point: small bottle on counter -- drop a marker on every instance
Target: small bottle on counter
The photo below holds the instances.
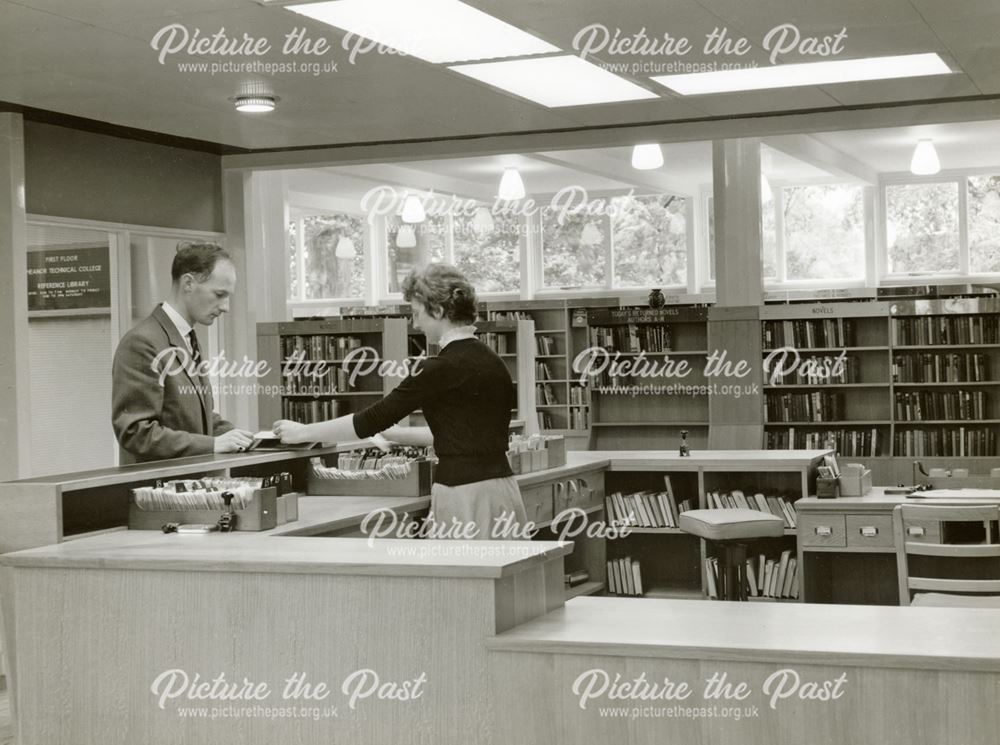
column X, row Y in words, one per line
column 685, row 449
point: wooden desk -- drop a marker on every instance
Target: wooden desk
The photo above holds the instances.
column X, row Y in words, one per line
column 847, row 550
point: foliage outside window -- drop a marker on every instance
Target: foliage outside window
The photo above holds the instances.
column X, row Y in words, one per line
column 824, row 231
column 922, row 227
column 574, row 250
column 332, row 260
column 487, row 251
column 649, row 239
column 984, row 224
column 430, row 238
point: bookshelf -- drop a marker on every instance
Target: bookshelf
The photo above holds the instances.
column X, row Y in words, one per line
column 320, row 370
column 660, row 354
column 674, row 563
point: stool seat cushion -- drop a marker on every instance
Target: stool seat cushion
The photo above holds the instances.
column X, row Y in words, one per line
column 731, row 525
column 944, row 600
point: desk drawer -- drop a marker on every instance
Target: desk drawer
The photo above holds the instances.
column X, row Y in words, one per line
column 578, row 491
column 869, row 530
column 821, row 529
column 538, row 502
column 923, row 531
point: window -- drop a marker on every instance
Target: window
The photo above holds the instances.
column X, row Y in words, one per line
column 768, row 234
column 331, row 262
column 487, row 249
column 984, row 224
column 824, row 231
column 922, row 227
column 412, row 246
column 649, row 239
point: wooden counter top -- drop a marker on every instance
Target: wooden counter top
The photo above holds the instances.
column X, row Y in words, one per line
column 319, row 515
column 878, row 501
column 254, row 552
column 796, row 633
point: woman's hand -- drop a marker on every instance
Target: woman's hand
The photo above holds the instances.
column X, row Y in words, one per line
column 381, row 443
column 290, row 432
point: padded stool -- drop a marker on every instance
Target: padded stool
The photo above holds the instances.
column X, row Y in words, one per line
column 730, row 530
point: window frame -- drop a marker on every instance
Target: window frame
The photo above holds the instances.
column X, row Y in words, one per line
column 298, row 211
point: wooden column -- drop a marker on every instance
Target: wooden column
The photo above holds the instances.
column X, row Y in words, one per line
column 15, row 459
column 736, row 416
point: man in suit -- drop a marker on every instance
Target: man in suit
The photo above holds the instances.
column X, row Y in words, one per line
column 161, row 402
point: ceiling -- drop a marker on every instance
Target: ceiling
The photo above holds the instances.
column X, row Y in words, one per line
column 94, row 59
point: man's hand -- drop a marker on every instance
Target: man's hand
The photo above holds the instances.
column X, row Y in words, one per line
column 233, row 441
column 290, row 432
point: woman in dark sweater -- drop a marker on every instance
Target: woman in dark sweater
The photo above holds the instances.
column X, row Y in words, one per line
column 466, row 395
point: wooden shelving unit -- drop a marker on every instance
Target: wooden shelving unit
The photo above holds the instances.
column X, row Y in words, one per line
column 639, row 412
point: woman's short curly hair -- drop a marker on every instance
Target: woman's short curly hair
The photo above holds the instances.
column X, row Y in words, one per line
column 443, row 291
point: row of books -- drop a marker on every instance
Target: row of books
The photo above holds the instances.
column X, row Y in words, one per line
column 646, row 509
column 946, row 330
column 306, row 412
column 781, row 506
column 579, row 418
column 632, row 338
column 499, row 343
column 545, row 420
column 318, row 346
column 333, row 380
column 809, row 333
column 853, row 443
column 960, row 442
column 940, row 367
column 577, row 395
column 508, row 315
column 769, row 578
column 916, row 406
column 816, row 370
column 624, row 577
column 545, row 395
column 816, row 406
column 545, row 345
column 543, row 371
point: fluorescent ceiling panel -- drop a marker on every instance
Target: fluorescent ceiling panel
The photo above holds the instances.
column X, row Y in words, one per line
column 808, row 73
column 556, row 81
column 432, row 30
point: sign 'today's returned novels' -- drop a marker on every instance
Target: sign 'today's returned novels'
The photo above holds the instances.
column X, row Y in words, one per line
column 69, row 278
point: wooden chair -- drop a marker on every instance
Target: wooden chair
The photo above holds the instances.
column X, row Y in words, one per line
column 919, row 530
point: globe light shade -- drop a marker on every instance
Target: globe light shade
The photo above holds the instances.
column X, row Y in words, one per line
column 406, row 238
column 482, row 221
column 590, row 234
column 345, row 248
column 647, row 157
column 511, row 185
column 413, row 210
column 925, row 159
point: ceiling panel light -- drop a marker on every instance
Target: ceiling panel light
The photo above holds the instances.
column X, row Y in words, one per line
column 565, row 80
column 808, row 73
column 925, row 159
column 254, row 104
column 432, row 30
column 647, row 157
column 511, row 185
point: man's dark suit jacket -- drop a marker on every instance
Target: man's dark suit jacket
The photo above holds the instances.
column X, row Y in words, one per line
column 153, row 421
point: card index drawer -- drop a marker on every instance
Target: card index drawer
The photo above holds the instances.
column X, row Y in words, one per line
column 869, row 530
column 538, row 503
column 821, row 529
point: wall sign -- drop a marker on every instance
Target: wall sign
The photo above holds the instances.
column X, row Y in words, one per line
column 69, row 278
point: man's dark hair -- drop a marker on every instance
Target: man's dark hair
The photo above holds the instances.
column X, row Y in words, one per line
column 198, row 258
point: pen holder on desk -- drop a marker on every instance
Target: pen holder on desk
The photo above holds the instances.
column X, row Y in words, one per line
column 261, row 513
column 827, row 488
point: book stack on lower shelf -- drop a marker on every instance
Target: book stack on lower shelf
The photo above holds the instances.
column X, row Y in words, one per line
column 624, row 577
column 736, row 499
column 767, row 578
column 646, row 509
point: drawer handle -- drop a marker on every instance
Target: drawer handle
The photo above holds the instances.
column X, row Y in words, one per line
column 823, row 530
column 915, row 530
column 868, row 531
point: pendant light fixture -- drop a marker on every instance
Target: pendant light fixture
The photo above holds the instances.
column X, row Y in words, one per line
column 590, row 234
column 647, row 157
column 345, row 248
column 413, row 210
column 925, row 159
column 406, row 237
column 511, row 185
column 482, row 221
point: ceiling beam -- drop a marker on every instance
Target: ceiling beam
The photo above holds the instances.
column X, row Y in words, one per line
column 835, row 162
column 595, row 163
column 423, row 180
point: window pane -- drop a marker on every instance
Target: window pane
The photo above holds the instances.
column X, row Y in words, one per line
column 487, row 249
column 922, row 227
column 429, row 238
column 649, row 235
column 824, row 232
column 293, row 260
column 984, row 223
column 334, row 256
column 574, row 252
